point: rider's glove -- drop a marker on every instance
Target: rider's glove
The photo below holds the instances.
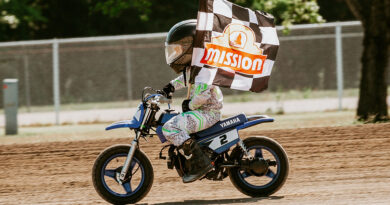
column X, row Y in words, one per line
column 167, row 91
column 185, row 106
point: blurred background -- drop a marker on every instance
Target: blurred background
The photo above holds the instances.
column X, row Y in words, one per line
column 109, row 50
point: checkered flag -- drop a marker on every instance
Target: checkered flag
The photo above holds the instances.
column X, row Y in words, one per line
column 234, row 47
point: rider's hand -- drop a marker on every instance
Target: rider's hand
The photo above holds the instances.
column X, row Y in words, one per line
column 167, row 91
column 185, row 106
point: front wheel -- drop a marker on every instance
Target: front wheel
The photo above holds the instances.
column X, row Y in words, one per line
column 107, row 167
column 252, row 182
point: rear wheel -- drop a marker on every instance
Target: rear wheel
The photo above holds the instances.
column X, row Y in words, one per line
column 107, row 167
column 252, row 182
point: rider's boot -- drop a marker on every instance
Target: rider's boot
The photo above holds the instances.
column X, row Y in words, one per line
column 198, row 162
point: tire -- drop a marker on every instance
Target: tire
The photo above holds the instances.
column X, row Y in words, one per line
column 102, row 177
column 238, row 176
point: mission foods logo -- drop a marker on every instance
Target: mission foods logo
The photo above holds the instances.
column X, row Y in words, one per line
column 235, row 49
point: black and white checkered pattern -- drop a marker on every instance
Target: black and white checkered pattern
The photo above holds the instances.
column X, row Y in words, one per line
column 213, row 17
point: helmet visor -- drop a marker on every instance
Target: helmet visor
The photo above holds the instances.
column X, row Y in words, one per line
column 172, row 52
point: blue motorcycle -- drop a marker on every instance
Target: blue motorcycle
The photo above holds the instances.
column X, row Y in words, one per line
column 256, row 166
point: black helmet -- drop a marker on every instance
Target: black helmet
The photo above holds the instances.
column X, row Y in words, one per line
column 179, row 45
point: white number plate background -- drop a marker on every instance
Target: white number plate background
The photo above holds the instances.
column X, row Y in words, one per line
column 224, row 139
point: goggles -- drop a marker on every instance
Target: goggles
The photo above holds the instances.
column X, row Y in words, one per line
column 172, row 52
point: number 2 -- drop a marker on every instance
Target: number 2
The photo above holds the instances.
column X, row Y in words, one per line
column 223, row 139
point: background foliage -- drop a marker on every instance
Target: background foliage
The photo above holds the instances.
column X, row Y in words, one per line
column 43, row 19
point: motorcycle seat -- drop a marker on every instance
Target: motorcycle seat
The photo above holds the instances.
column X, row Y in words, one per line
column 223, row 125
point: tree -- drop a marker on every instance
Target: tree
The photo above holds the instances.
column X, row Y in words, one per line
column 6, row 18
column 41, row 19
column 287, row 12
column 335, row 10
column 375, row 18
column 18, row 19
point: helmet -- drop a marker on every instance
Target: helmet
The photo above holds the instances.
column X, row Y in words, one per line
column 179, row 45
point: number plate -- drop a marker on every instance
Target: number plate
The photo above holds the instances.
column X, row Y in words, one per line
column 137, row 115
column 224, row 139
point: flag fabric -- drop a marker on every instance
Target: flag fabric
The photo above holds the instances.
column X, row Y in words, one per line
column 234, row 47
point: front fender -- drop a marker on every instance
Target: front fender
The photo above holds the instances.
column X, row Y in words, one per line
column 133, row 123
column 124, row 123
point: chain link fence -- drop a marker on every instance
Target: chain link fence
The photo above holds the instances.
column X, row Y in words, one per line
column 107, row 69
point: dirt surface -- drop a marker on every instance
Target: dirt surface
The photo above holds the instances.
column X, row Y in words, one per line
column 329, row 165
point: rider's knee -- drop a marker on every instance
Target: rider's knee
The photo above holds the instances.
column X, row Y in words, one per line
column 167, row 131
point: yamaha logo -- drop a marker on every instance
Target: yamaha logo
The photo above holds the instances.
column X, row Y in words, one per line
column 227, row 123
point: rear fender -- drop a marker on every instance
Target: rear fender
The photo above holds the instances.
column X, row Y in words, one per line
column 254, row 120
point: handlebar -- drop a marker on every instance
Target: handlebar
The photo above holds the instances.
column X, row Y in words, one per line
column 158, row 98
column 155, row 99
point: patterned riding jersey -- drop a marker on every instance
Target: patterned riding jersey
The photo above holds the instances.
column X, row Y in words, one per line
column 205, row 105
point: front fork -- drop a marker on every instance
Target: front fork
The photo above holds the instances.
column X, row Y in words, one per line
column 129, row 158
column 134, row 145
column 126, row 166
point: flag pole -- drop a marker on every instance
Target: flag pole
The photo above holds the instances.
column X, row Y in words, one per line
column 188, row 83
column 189, row 91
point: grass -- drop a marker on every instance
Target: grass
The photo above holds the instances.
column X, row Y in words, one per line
column 96, row 131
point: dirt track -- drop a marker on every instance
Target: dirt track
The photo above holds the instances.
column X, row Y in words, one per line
column 335, row 165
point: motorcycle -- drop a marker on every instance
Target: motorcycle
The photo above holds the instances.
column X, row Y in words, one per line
column 257, row 166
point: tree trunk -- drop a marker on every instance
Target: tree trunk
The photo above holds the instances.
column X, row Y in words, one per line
column 373, row 85
column 372, row 105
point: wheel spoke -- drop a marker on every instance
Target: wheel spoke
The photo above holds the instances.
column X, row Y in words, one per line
column 245, row 174
column 259, row 153
column 272, row 163
column 110, row 173
column 270, row 174
column 127, row 187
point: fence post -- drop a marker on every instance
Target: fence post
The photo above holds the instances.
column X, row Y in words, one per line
column 339, row 64
column 56, row 81
column 128, row 72
column 10, row 95
column 27, row 82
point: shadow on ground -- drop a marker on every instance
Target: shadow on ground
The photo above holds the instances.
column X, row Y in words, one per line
column 222, row 201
